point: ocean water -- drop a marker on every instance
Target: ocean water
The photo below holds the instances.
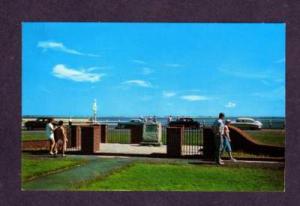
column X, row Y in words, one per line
column 268, row 122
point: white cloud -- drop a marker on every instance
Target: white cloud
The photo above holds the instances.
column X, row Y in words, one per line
column 137, row 61
column 173, row 65
column 168, row 94
column 63, row 72
column 58, row 46
column 137, row 82
column 230, row 105
column 194, row 97
column 147, row 71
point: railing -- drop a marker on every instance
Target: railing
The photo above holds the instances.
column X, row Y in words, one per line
column 164, row 135
column 192, row 142
column 121, row 136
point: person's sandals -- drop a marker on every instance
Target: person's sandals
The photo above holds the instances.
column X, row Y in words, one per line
column 220, row 162
column 234, row 160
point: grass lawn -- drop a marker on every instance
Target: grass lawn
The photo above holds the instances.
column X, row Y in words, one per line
column 272, row 137
column 37, row 166
column 187, row 177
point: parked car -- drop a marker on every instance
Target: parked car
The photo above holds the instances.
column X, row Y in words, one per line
column 39, row 123
column 247, row 123
column 185, row 122
column 127, row 125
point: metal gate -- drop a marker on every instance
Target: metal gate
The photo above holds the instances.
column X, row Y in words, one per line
column 192, row 142
column 121, row 136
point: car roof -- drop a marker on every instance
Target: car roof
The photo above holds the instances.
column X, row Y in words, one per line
column 244, row 118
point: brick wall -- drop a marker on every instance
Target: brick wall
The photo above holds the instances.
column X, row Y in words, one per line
column 174, row 140
column 136, row 134
column 90, row 139
column 241, row 140
column 35, row 145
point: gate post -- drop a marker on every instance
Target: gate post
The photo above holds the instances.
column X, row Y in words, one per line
column 136, row 135
column 103, row 133
column 90, row 139
column 78, row 137
column 74, row 138
column 174, row 140
column 208, row 144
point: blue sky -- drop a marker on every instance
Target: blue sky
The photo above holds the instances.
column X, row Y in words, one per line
column 136, row 69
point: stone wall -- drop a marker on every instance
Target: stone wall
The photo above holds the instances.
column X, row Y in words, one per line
column 241, row 140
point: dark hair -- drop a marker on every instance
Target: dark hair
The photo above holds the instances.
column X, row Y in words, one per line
column 50, row 119
column 60, row 123
column 221, row 115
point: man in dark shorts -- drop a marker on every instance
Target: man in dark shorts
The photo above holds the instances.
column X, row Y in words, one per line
column 218, row 128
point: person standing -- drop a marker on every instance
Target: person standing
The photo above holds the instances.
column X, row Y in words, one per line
column 50, row 135
column 227, row 140
column 218, row 128
column 169, row 119
column 60, row 138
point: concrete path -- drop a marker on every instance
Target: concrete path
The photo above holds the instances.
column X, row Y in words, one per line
column 131, row 148
column 115, row 148
column 95, row 168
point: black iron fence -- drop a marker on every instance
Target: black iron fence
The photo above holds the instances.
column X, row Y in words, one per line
column 192, row 142
column 121, row 136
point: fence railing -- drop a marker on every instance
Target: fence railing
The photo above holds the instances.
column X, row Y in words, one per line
column 192, row 141
column 121, row 136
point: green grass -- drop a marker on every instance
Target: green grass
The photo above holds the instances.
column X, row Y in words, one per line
column 33, row 167
column 33, row 135
column 175, row 177
column 271, row 137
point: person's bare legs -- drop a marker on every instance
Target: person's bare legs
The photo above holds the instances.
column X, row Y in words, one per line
column 52, row 145
column 63, row 148
column 231, row 157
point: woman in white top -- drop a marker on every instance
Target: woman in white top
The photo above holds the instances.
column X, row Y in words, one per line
column 50, row 135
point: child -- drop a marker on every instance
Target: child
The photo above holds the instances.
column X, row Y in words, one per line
column 60, row 138
column 226, row 140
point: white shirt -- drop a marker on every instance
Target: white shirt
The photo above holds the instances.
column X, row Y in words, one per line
column 49, row 131
column 219, row 126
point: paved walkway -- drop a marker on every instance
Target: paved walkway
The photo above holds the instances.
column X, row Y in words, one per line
column 132, row 148
column 115, row 148
column 95, row 168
